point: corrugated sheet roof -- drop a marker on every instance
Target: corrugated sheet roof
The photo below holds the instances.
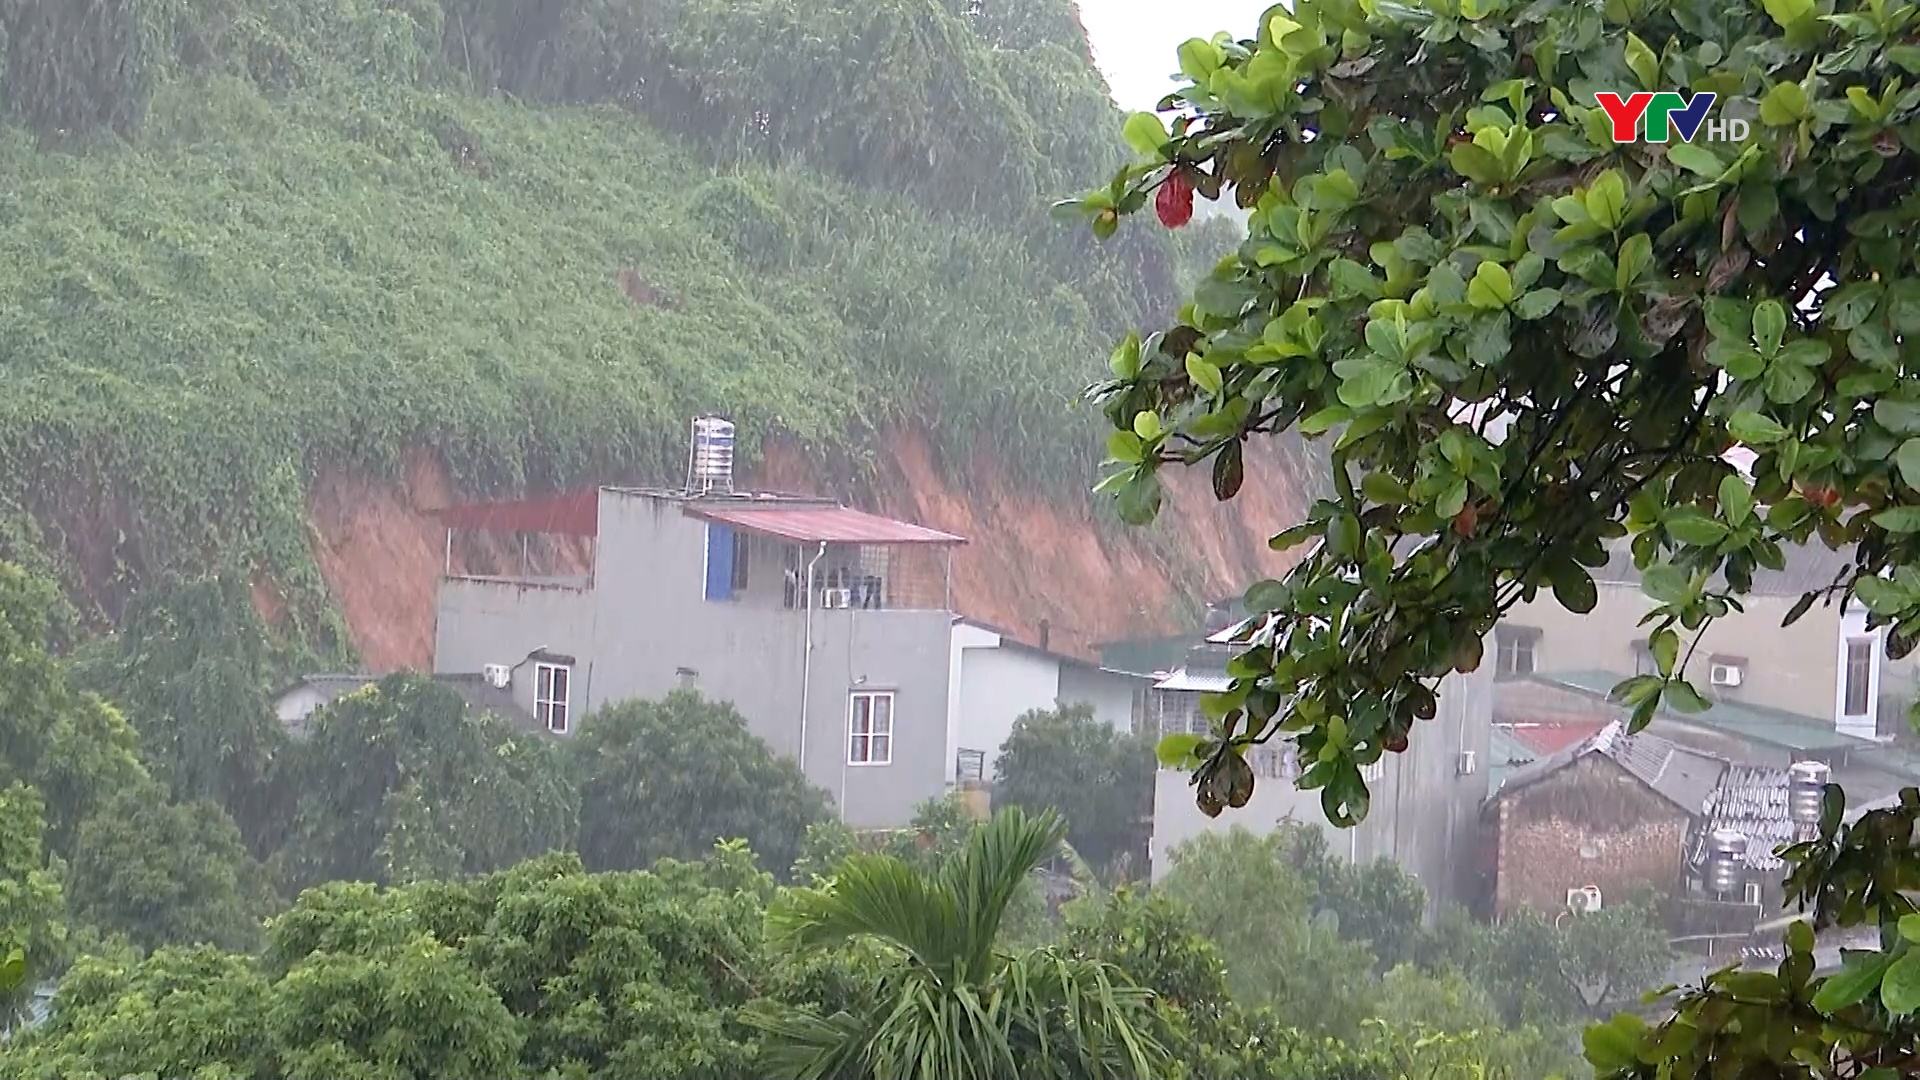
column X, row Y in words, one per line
column 821, row 524
column 1205, row 682
column 1681, row 776
column 1751, row 799
column 1775, row 727
column 1553, row 736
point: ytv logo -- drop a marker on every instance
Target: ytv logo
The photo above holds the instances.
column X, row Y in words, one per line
column 1668, row 110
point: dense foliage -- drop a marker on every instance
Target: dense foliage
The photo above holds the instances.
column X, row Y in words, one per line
column 827, row 219
column 1100, row 779
column 402, row 781
column 669, row 779
column 951, row 1003
column 162, row 873
column 1530, row 341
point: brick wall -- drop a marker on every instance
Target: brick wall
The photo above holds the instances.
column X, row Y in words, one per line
column 1589, row 824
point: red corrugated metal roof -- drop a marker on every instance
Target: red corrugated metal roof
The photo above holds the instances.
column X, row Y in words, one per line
column 1551, row 737
column 822, row 524
column 573, row 514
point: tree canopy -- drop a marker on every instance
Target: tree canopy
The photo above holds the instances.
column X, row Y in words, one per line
column 1100, row 779
column 1528, row 340
column 668, row 778
column 401, row 781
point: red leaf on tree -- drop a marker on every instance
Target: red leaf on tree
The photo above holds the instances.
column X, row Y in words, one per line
column 1174, row 202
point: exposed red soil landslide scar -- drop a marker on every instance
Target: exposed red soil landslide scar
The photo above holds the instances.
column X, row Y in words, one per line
column 1029, row 559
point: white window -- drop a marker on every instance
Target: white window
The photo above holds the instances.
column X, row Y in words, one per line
column 551, row 686
column 1859, row 677
column 1514, row 648
column 870, row 729
column 1375, row 772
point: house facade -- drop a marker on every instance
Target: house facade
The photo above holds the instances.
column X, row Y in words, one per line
column 829, row 628
column 1424, row 812
column 997, row 679
column 1618, row 815
column 1610, row 817
column 1827, row 666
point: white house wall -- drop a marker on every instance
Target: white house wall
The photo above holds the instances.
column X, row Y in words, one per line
column 1110, row 693
column 1425, row 808
column 997, row 686
column 967, row 638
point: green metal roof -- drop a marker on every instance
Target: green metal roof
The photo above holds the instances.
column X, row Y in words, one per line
column 1505, row 753
column 1775, row 727
column 1146, row 656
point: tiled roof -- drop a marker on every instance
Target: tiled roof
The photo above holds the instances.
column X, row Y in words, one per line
column 1682, row 776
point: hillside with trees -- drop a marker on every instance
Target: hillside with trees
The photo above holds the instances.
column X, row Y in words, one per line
column 251, row 245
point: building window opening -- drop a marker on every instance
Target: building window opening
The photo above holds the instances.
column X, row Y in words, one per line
column 551, row 691
column 870, row 730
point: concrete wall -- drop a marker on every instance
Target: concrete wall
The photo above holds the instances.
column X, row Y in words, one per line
column 1792, row 668
column 997, row 686
column 1424, row 815
column 1589, row 824
column 1112, row 695
column 647, row 616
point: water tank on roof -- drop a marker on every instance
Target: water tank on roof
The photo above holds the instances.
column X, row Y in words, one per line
column 1726, row 861
column 710, row 459
column 1806, row 785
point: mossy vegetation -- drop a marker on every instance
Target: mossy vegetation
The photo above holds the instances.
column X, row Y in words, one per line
column 244, row 240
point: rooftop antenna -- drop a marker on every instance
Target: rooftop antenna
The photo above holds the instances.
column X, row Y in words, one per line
column 710, row 457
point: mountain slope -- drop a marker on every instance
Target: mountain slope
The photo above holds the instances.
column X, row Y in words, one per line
column 305, row 244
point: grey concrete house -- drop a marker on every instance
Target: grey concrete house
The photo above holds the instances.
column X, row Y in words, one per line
column 1425, row 809
column 828, row 628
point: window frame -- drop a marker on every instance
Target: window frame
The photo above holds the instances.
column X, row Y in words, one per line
column 1865, row 647
column 742, row 562
column 1519, row 641
column 546, row 703
column 865, row 739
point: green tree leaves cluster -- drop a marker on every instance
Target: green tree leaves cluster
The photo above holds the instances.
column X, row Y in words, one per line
column 1528, row 342
column 668, row 779
column 1525, row 341
column 949, row 1002
column 402, row 782
column 163, row 872
column 1098, row 778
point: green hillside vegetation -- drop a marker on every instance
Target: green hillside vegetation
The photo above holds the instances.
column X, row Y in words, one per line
column 244, row 239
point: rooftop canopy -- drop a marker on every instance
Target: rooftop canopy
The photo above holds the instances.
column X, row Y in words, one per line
column 820, row 524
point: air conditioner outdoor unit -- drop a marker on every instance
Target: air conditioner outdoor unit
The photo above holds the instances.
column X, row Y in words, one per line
column 1466, row 763
column 836, row 598
column 1724, row 675
column 497, row 675
column 1584, row 900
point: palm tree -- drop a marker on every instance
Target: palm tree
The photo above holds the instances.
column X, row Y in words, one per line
column 950, row 1005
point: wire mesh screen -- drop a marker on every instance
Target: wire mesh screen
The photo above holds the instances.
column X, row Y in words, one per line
column 870, row 576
